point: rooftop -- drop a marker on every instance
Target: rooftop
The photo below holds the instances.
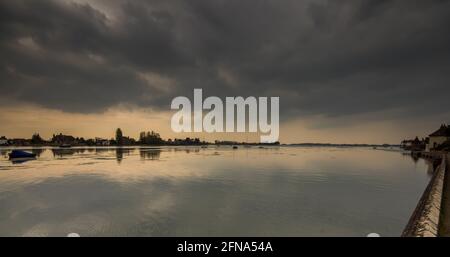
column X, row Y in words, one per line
column 443, row 131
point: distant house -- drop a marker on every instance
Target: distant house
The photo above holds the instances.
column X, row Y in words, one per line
column 101, row 141
column 128, row 141
column 414, row 145
column 19, row 142
column 406, row 144
column 63, row 139
column 3, row 141
column 438, row 137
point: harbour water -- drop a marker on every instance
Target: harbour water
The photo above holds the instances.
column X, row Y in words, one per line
column 214, row 191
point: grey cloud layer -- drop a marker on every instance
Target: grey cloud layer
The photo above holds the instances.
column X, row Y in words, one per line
column 322, row 57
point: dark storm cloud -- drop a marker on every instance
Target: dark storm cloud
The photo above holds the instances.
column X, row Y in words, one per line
column 321, row 57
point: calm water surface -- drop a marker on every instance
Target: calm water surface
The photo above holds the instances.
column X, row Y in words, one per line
column 284, row 191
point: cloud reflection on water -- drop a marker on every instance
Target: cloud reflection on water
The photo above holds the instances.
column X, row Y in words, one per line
column 215, row 191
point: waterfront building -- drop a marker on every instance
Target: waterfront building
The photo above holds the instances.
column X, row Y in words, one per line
column 406, row 144
column 101, row 142
column 63, row 139
column 414, row 145
column 19, row 142
column 438, row 137
column 3, row 140
column 128, row 141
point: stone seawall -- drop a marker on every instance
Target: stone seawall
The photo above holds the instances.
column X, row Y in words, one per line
column 444, row 223
column 424, row 221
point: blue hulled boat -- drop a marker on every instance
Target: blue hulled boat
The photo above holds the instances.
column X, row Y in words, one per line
column 21, row 154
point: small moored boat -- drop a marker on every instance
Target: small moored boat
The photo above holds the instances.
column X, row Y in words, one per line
column 21, row 154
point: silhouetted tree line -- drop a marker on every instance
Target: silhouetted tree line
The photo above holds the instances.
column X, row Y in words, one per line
column 145, row 138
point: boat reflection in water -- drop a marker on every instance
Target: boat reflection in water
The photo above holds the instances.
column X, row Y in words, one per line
column 21, row 160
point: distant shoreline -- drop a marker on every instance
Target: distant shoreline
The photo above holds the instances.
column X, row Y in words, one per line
column 199, row 145
column 348, row 145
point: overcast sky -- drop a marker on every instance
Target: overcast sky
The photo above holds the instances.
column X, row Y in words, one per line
column 345, row 71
